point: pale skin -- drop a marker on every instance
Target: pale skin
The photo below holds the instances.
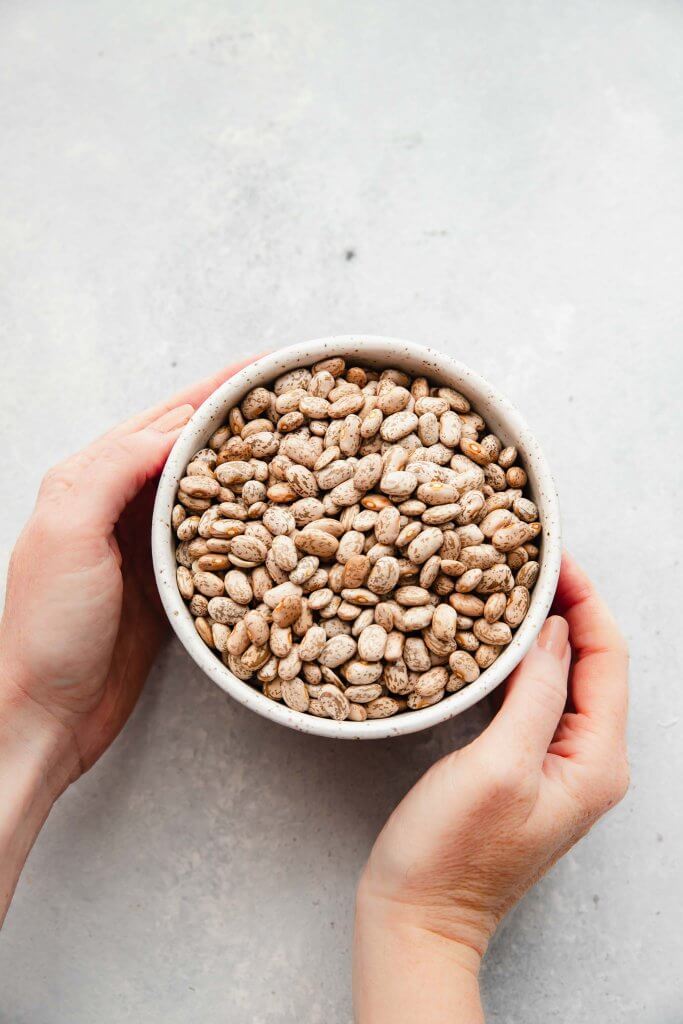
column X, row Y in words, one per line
column 488, row 821
column 82, row 624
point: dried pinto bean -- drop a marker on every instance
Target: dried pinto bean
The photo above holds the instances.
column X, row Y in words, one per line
column 356, row 543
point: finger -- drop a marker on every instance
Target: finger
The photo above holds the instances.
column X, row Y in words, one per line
column 536, row 695
column 94, row 488
column 600, row 673
column 194, row 395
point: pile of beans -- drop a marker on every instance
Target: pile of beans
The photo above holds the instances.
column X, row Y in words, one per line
column 356, row 543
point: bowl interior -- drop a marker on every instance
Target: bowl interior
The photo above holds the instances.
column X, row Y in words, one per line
column 379, row 353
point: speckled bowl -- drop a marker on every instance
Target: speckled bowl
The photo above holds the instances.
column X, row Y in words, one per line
column 501, row 417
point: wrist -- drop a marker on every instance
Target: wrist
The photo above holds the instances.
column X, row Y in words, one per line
column 36, row 765
column 452, row 912
column 462, row 947
column 40, row 748
column 406, row 972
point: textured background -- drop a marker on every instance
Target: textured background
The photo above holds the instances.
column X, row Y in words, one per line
column 187, row 182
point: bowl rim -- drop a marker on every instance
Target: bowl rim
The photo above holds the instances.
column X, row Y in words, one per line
column 365, row 348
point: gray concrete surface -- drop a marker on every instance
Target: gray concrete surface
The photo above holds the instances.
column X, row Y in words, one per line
column 184, row 182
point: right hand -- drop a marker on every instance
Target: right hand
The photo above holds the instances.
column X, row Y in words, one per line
column 488, row 820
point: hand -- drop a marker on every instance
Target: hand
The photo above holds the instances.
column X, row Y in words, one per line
column 82, row 620
column 488, row 820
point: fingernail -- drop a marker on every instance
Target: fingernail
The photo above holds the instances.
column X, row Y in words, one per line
column 172, row 419
column 554, row 635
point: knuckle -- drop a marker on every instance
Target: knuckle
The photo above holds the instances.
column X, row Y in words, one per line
column 57, row 478
column 621, row 781
column 113, row 451
column 607, row 788
column 43, row 531
column 504, row 780
column 60, row 478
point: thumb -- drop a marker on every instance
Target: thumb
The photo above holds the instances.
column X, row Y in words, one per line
column 110, row 473
column 536, row 694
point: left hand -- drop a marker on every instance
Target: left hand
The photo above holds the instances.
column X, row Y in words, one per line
column 82, row 620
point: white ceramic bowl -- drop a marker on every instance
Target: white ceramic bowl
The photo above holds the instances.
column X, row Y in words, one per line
column 501, row 417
